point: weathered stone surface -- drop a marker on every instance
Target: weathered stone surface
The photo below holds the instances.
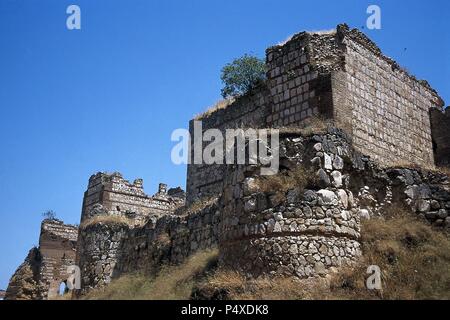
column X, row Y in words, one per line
column 328, row 197
column 323, row 179
column 364, row 214
column 327, row 162
column 45, row 267
column 337, row 179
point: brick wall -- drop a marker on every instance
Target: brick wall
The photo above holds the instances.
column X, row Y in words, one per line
column 340, row 75
column 120, row 197
column 389, row 108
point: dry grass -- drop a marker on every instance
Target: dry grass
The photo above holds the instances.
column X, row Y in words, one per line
column 313, row 125
column 199, row 205
column 115, row 220
column 163, row 238
column 280, row 183
column 414, row 259
column 444, row 170
column 230, row 285
column 172, row 282
column 221, row 104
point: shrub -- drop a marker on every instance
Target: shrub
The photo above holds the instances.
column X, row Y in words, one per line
column 279, row 184
column 241, row 75
column 171, row 283
column 49, row 214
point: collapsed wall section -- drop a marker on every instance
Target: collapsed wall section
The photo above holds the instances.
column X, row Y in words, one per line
column 46, row 267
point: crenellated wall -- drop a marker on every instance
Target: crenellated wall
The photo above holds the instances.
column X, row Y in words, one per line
column 119, row 197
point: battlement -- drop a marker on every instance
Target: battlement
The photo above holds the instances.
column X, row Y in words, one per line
column 113, row 195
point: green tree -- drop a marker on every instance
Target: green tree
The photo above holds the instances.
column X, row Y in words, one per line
column 49, row 214
column 241, row 75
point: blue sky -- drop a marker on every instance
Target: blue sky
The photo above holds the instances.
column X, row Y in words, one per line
column 108, row 96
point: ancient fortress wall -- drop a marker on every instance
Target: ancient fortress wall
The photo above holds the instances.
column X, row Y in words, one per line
column 390, row 109
column 379, row 115
column 313, row 227
column 340, row 75
column 110, row 249
column 121, row 198
column 156, row 230
column 57, row 245
column 303, row 231
column 45, row 268
column 169, row 240
column 440, row 126
column 247, row 112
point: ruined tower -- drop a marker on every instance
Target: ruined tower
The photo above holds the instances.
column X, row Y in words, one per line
column 342, row 76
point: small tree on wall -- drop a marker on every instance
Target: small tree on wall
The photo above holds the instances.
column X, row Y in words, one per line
column 49, row 214
column 241, row 75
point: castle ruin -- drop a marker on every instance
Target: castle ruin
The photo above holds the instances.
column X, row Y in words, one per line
column 383, row 126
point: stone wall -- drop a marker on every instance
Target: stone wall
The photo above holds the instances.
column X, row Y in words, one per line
column 440, row 124
column 121, row 207
column 303, row 231
column 390, row 108
column 343, row 76
column 98, row 253
column 246, row 112
column 45, row 268
column 119, row 197
column 109, row 249
column 314, row 227
column 169, row 240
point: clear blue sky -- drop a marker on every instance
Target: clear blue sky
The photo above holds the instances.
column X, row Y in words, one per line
column 107, row 97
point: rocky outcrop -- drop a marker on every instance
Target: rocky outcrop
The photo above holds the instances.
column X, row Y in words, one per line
column 25, row 283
